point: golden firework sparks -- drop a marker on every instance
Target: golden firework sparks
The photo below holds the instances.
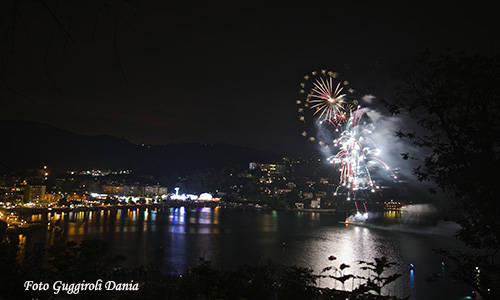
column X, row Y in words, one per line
column 326, row 100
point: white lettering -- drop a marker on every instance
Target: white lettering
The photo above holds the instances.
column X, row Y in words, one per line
column 110, row 285
column 57, row 287
column 35, row 286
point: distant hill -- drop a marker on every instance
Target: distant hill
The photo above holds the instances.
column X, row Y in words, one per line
column 30, row 144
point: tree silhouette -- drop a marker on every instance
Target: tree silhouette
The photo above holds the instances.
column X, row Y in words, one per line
column 374, row 282
column 455, row 101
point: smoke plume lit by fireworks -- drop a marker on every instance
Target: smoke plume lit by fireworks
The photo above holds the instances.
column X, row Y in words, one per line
column 358, row 155
column 355, row 138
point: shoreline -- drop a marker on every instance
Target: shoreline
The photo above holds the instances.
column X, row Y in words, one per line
column 39, row 210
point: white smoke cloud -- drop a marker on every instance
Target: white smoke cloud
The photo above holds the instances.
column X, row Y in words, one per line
column 392, row 146
column 368, row 98
column 391, row 149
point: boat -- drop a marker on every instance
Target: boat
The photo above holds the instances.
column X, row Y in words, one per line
column 18, row 225
column 357, row 219
column 13, row 220
column 23, row 228
column 354, row 223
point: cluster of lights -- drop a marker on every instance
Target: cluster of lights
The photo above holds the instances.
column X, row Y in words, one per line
column 98, row 173
column 184, row 197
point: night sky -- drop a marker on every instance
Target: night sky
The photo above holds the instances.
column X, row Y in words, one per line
column 153, row 72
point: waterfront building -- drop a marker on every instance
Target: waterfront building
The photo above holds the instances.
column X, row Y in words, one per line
column 51, row 198
column 34, row 193
column 316, row 203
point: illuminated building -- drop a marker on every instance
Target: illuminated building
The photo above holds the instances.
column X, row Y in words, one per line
column 126, row 190
column 155, row 190
column 34, row 193
column 112, row 189
column 307, row 195
column 52, row 197
column 393, row 205
column 316, row 203
column 269, row 168
column 75, row 197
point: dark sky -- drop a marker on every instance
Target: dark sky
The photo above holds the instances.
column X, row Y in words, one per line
column 154, row 72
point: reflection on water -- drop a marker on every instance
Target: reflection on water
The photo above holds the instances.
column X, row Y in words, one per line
column 392, row 214
column 413, row 290
column 21, row 247
column 175, row 238
column 36, row 218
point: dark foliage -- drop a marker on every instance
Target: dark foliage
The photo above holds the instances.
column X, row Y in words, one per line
column 370, row 284
column 455, row 100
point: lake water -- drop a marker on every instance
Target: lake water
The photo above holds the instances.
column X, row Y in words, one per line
column 176, row 238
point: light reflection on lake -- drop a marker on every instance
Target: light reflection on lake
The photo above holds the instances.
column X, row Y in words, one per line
column 175, row 238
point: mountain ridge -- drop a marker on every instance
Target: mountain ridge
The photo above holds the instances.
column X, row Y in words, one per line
column 28, row 144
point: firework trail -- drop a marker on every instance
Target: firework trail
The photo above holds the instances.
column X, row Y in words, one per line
column 358, row 155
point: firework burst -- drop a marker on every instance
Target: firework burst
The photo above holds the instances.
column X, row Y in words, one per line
column 333, row 119
column 328, row 99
